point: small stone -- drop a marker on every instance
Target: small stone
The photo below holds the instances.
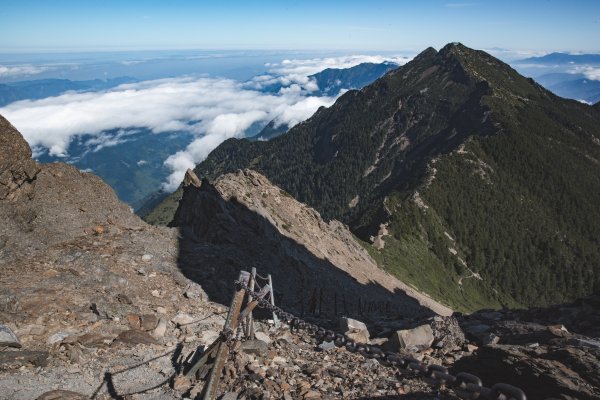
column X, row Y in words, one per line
column 147, row 257
column 8, row 337
column 57, row 337
column 93, row 340
column 161, row 328
column 161, row 310
column 149, row 322
column 262, row 336
column 471, row 348
column 327, row 346
column 134, row 321
column 279, row 360
column 182, row 319
column 155, row 293
column 136, row 336
column 256, row 347
column 37, row 330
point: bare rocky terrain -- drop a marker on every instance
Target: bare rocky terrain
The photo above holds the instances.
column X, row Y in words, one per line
column 94, row 303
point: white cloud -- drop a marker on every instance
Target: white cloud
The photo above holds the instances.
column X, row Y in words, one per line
column 210, row 108
column 221, row 108
column 297, row 71
column 16, row 70
column 105, row 139
column 592, row 73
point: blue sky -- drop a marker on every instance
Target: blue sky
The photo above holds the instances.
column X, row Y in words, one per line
column 375, row 25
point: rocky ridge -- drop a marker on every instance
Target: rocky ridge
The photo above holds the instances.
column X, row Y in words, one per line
column 245, row 212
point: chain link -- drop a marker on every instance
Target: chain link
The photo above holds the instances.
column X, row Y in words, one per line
column 465, row 385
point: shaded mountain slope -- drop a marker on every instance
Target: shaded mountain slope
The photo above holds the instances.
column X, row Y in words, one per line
column 481, row 184
column 243, row 220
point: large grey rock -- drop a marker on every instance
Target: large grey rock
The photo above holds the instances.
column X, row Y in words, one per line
column 415, row 339
column 8, row 337
column 447, row 334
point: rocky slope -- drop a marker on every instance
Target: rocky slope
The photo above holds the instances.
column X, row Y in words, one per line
column 97, row 304
column 93, row 300
column 486, row 184
column 243, row 220
column 86, row 286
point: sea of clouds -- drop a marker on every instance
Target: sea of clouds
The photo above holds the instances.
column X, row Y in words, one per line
column 213, row 109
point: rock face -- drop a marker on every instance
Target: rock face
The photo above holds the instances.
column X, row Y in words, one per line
column 41, row 205
column 16, row 165
column 70, row 286
column 548, row 352
column 243, row 220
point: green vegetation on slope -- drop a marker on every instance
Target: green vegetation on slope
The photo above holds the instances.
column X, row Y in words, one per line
column 478, row 171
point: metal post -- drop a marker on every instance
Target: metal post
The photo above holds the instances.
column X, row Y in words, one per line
column 230, row 323
column 275, row 318
column 249, row 319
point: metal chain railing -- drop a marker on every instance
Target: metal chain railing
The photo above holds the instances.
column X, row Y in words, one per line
column 465, row 385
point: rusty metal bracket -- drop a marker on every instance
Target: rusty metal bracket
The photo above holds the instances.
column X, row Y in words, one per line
column 217, row 352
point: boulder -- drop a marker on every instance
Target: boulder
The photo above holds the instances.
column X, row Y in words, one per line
column 447, row 334
column 415, row 339
column 354, row 330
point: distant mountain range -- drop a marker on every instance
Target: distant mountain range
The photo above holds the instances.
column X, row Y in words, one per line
column 137, row 175
column 462, row 177
column 331, row 81
column 572, row 86
column 562, row 58
column 40, row 89
column 567, row 75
